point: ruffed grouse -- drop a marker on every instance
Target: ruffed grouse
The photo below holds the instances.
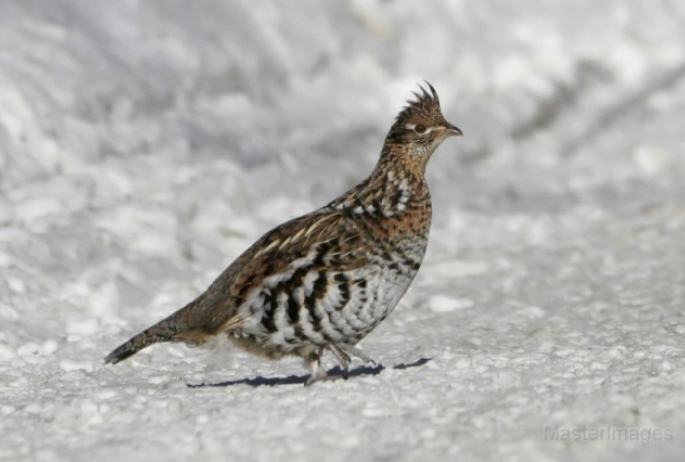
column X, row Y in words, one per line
column 323, row 281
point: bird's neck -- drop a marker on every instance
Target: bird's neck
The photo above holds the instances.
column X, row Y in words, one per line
column 396, row 186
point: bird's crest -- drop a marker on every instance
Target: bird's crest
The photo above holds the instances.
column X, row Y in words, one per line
column 426, row 106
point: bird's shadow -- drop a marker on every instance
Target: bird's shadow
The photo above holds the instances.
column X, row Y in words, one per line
column 335, row 374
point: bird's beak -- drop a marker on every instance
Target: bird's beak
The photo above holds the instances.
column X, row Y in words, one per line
column 452, row 130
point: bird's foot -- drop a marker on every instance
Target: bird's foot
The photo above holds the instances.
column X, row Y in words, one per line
column 343, row 353
column 343, row 359
column 358, row 353
column 319, row 375
column 318, row 371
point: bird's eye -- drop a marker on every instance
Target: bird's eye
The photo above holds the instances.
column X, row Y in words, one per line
column 419, row 128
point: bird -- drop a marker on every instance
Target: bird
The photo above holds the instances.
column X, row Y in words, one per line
column 323, row 281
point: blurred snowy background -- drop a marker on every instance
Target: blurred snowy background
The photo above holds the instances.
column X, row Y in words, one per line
column 145, row 144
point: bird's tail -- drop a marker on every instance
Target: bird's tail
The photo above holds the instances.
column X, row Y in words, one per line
column 164, row 331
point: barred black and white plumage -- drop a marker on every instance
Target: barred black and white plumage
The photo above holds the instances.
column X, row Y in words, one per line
column 323, row 281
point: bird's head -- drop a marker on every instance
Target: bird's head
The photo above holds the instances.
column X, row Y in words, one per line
column 420, row 127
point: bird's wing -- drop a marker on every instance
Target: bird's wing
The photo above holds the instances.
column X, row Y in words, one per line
column 326, row 240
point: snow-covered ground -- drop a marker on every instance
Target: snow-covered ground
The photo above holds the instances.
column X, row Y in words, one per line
column 145, row 144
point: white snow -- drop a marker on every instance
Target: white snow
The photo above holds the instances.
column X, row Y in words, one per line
column 145, row 144
column 442, row 304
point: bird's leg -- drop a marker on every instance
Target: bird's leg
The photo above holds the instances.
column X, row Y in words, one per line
column 313, row 362
column 351, row 350
column 342, row 357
